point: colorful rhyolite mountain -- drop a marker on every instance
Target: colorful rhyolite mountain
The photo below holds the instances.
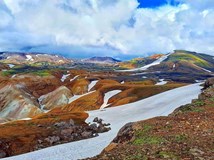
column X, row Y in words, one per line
column 45, row 90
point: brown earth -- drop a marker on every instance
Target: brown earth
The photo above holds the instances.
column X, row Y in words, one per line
column 24, row 136
column 129, row 93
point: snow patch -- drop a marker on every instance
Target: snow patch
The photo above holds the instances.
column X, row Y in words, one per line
column 74, row 78
column 173, row 66
column 75, row 97
column 13, row 76
column 40, row 99
column 107, row 96
column 92, row 84
column 64, row 77
column 158, row 61
column 206, row 70
column 199, row 81
column 11, row 65
column 29, row 58
column 162, row 82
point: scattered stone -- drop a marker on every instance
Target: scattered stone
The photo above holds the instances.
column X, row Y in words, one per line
column 99, row 121
column 95, row 119
column 93, row 126
column 2, row 154
column 40, row 141
column 67, row 132
column 86, row 134
column 102, row 128
column 52, row 139
column 106, row 124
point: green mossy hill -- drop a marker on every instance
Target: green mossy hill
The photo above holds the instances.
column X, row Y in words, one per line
column 201, row 60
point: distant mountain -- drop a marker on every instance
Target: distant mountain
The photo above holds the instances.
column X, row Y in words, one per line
column 18, row 58
column 139, row 62
column 178, row 61
column 101, row 60
column 185, row 61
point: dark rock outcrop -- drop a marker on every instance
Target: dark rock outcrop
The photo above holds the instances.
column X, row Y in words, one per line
column 208, row 83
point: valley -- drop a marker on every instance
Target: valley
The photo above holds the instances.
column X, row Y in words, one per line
column 47, row 100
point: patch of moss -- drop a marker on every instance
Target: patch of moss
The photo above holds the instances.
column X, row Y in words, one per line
column 198, row 103
column 167, row 155
column 151, row 140
column 143, row 137
column 42, row 73
column 191, row 108
column 180, row 138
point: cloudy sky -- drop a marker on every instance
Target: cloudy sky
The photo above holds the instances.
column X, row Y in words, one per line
column 117, row 28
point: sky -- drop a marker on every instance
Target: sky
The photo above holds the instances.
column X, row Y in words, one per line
column 116, row 28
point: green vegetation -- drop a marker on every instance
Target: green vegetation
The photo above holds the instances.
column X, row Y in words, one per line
column 198, row 103
column 42, row 73
column 24, row 70
column 180, row 138
column 188, row 57
column 167, row 155
column 133, row 61
column 143, row 137
column 192, row 108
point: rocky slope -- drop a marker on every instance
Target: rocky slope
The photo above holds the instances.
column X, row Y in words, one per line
column 16, row 103
column 57, row 98
column 186, row 134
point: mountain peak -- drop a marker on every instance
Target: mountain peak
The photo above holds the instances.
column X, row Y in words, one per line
column 97, row 59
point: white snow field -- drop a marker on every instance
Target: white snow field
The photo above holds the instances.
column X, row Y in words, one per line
column 92, row 84
column 159, row 105
column 107, row 96
column 158, row 61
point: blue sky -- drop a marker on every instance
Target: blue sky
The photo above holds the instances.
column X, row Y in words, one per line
column 155, row 3
column 117, row 28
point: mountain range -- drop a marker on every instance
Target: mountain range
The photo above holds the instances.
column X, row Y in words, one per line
column 49, row 98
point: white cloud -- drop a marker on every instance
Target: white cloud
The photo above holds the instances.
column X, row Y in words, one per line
column 107, row 27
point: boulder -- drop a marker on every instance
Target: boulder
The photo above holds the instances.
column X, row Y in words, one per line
column 95, row 119
column 125, row 134
column 208, row 83
column 102, row 128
